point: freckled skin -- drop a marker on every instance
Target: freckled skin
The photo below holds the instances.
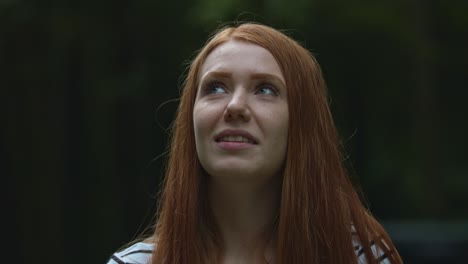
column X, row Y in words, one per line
column 241, row 98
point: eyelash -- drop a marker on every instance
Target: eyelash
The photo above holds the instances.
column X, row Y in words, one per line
column 268, row 86
column 210, row 86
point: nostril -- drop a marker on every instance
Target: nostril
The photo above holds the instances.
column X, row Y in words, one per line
column 232, row 114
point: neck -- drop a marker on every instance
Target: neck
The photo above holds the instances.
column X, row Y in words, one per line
column 245, row 216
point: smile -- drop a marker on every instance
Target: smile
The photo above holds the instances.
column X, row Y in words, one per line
column 235, row 136
column 235, row 139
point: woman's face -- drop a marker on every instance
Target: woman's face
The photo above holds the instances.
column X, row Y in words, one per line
column 241, row 113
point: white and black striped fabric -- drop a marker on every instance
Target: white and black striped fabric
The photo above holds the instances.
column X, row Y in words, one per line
column 381, row 257
column 140, row 253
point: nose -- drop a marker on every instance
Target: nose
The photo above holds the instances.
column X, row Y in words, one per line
column 237, row 108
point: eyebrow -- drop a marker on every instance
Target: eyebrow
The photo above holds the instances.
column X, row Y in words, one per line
column 254, row 76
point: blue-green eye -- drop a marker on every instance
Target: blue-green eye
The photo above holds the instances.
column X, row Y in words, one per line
column 215, row 88
column 267, row 89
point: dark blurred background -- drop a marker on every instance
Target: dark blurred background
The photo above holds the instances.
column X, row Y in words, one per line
column 87, row 94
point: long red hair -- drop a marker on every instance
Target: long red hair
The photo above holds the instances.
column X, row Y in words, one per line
column 320, row 212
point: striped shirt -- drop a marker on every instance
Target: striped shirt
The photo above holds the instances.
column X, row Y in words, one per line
column 140, row 253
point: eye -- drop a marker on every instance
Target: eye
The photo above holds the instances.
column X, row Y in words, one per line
column 267, row 89
column 215, row 87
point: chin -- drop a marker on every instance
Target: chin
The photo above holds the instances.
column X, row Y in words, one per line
column 240, row 174
column 233, row 171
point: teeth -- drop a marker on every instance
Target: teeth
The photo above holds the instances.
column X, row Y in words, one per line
column 235, row 139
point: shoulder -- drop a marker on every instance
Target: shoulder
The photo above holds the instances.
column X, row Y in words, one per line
column 377, row 251
column 138, row 253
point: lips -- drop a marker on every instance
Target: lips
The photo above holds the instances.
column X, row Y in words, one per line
column 230, row 135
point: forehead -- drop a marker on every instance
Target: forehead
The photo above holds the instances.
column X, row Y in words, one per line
column 241, row 56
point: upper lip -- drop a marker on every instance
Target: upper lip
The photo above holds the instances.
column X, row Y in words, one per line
column 236, row 132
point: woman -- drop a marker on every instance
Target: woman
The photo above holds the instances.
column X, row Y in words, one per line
column 255, row 173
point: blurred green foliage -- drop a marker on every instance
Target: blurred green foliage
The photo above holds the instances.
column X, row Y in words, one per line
column 87, row 89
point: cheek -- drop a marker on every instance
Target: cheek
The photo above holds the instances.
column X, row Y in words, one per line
column 278, row 123
column 281, row 130
column 203, row 122
column 283, row 121
column 197, row 124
